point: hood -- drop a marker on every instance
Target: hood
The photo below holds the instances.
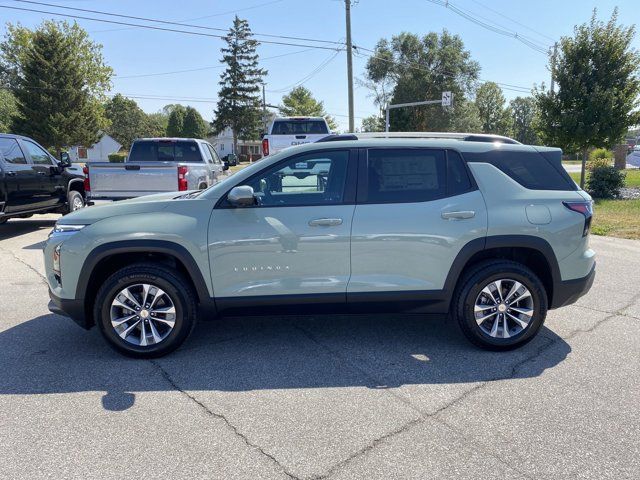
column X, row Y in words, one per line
column 145, row 204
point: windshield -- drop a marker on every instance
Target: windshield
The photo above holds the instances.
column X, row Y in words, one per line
column 299, row 127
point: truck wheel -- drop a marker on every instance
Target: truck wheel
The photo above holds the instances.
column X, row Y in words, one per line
column 500, row 305
column 145, row 310
column 75, row 201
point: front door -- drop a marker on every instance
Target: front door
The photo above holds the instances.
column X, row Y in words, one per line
column 51, row 191
column 293, row 246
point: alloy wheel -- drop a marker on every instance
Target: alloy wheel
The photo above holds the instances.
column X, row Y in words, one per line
column 504, row 308
column 143, row 314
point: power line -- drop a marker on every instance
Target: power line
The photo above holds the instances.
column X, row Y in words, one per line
column 514, row 21
column 164, row 29
column 167, row 22
column 309, row 76
column 212, row 67
column 534, row 45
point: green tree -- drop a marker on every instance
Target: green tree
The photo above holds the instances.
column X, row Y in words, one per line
column 175, row 124
column 372, row 123
column 194, row 125
column 157, row 124
column 410, row 68
column 58, row 103
column 494, row 117
column 8, row 110
column 523, row 113
column 88, row 59
column 238, row 106
column 127, row 121
column 300, row 102
column 598, row 94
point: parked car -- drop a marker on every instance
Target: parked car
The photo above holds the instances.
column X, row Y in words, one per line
column 230, row 159
column 33, row 181
column 480, row 227
column 285, row 132
column 155, row 165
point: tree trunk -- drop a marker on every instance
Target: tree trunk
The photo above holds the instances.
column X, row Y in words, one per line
column 585, row 154
column 235, row 143
column 620, row 156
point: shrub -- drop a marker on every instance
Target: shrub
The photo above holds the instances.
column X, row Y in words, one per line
column 605, row 182
column 600, row 157
column 118, row 157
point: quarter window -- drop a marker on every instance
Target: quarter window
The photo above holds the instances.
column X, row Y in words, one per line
column 37, row 154
column 11, row 151
column 314, row 179
column 405, row 175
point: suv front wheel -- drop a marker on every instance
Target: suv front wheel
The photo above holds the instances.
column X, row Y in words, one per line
column 500, row 305
column 145, row 310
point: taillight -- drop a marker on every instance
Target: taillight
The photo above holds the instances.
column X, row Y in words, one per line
column 584, row 208
column 87, row 182
column 265, row 147
column 182, row 178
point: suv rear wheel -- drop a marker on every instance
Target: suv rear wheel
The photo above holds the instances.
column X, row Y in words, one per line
column 500, row 305
column 145, row 310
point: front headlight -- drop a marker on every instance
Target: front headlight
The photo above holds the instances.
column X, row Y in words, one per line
column 62, row 228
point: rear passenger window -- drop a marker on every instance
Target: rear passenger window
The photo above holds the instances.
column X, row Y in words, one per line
column 11, row 151
column 457, row 177
column 405, row 175
column 529, row 169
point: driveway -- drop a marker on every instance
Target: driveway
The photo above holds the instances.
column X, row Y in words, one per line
column 391, row 396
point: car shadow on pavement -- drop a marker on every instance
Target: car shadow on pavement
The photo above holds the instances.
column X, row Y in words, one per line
column 49, row 354
column 14, row 228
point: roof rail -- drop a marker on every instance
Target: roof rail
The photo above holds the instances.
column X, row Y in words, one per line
column 466, row 137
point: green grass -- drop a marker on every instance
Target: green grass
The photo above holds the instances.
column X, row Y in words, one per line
column 617, row 218
column 632, row 180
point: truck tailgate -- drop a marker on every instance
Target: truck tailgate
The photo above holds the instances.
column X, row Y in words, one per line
column 127, row 180
column 280, row 142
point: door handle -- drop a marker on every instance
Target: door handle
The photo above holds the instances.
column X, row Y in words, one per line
column 458, row 215
column 325, row 222
column 10, row 173
column 41, row 173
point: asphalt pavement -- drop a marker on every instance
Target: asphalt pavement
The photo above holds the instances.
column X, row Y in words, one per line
column 375, row 397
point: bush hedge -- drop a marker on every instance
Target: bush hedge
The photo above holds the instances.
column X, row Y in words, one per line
column 605, row 181
column 118, row 157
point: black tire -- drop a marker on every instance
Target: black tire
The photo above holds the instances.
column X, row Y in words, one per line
column 73, row 197
column 179, row 292
column 470, row 287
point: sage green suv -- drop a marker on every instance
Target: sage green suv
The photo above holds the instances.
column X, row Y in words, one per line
column 489, row 231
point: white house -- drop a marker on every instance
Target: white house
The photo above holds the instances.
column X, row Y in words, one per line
column 223, row 143
column 98, row 152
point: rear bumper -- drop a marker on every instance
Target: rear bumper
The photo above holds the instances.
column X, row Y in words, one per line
column 569, row 291
column 73, row 309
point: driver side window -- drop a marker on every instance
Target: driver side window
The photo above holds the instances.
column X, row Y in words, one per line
column 314, row 179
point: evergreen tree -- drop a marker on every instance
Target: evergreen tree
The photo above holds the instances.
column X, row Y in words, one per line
column 55, row 101
column 8, row 110
column 239, row 96
column 194, row 125
column 175, row 125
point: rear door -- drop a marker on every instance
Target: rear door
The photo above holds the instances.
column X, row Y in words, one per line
column 21, row 181
column 416, row 209
column 52, row 191
column 293, row 246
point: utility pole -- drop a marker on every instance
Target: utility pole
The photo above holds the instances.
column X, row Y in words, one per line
column 347, row 7
column 553, row 66
column 264, row 110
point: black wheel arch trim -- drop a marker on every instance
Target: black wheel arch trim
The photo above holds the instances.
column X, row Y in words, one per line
column 146, row 246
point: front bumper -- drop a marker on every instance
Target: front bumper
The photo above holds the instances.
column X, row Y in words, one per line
column 569, row 291
column 73, row 309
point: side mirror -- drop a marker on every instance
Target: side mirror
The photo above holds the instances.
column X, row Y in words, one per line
column 241, row 196
column 65, row 160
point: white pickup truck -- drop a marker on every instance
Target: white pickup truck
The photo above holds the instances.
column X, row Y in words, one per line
column 155, row 165
column 289, row 131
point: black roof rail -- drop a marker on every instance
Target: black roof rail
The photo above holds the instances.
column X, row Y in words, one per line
column 337, row 138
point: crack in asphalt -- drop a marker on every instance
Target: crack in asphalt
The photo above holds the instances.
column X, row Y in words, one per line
column 220, row 416
column 40, row 276
column 434, row 415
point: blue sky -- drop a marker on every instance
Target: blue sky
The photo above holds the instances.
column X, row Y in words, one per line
column 134, row 51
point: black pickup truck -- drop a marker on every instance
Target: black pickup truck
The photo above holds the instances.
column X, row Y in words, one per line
column 33, row 181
